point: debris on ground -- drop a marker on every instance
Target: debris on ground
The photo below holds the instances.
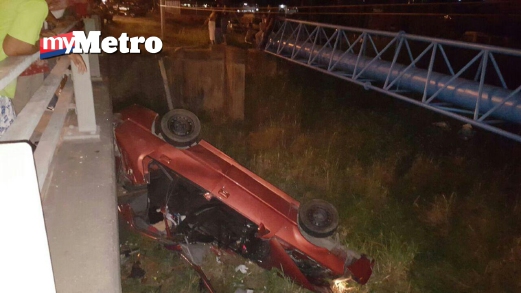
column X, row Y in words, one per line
column 442, row 125
column 242, row 268
column 137, row 272
column 466, row 132
column 240, row 290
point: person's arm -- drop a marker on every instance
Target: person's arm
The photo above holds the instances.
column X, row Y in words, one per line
column 22, row 36
column 15, row 47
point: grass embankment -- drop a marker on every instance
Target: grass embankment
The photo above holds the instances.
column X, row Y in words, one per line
column 437, row 213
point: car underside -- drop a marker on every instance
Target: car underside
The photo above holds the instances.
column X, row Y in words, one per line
column 197, row 194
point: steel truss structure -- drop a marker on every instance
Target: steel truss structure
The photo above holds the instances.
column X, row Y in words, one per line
column 476, row 84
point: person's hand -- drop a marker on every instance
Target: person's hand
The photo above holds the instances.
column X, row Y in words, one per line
column 79, row 62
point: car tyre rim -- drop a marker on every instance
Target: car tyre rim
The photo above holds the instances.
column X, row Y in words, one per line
column 318, row 218
column 181, row 125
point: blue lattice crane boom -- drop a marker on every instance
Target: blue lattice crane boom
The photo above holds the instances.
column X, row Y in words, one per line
column 371, row 58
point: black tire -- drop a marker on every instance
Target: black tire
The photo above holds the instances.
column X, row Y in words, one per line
column 318, row 218
column 180, row 128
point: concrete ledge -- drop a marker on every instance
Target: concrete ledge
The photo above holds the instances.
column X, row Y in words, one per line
column 80, row 209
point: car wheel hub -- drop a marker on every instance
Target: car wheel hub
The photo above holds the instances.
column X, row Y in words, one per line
column 319, row 217
column 181, row 125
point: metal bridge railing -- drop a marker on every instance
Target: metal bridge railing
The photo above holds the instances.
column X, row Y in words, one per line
column 476, row 84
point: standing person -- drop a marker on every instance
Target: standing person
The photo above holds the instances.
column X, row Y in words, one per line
column 218, row 27
column 250, row 34
column 224, row 24
column 31, row 79
column 270, row 22
column 263, row 25
column 211, row 26
column 20, row 24
column 104, row 12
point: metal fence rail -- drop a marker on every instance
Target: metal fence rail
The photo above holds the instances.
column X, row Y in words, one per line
column 476, row 84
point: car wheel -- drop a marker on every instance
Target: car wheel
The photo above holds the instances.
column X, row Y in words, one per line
column 181, row 128
column 318, row 218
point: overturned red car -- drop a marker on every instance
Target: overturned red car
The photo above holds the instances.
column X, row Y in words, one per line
column 203, row 196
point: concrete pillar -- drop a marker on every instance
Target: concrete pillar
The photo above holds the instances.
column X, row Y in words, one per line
column 235, row 69
column 211, row 80
column 261, row 63
column 203, row 79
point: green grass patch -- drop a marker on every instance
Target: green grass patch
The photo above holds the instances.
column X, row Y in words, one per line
column 432, row 210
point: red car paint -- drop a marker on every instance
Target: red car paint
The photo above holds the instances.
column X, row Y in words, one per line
column 272, row 210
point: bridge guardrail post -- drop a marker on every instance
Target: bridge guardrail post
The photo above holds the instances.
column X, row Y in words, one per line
column 93, row 24
column 84, row 97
